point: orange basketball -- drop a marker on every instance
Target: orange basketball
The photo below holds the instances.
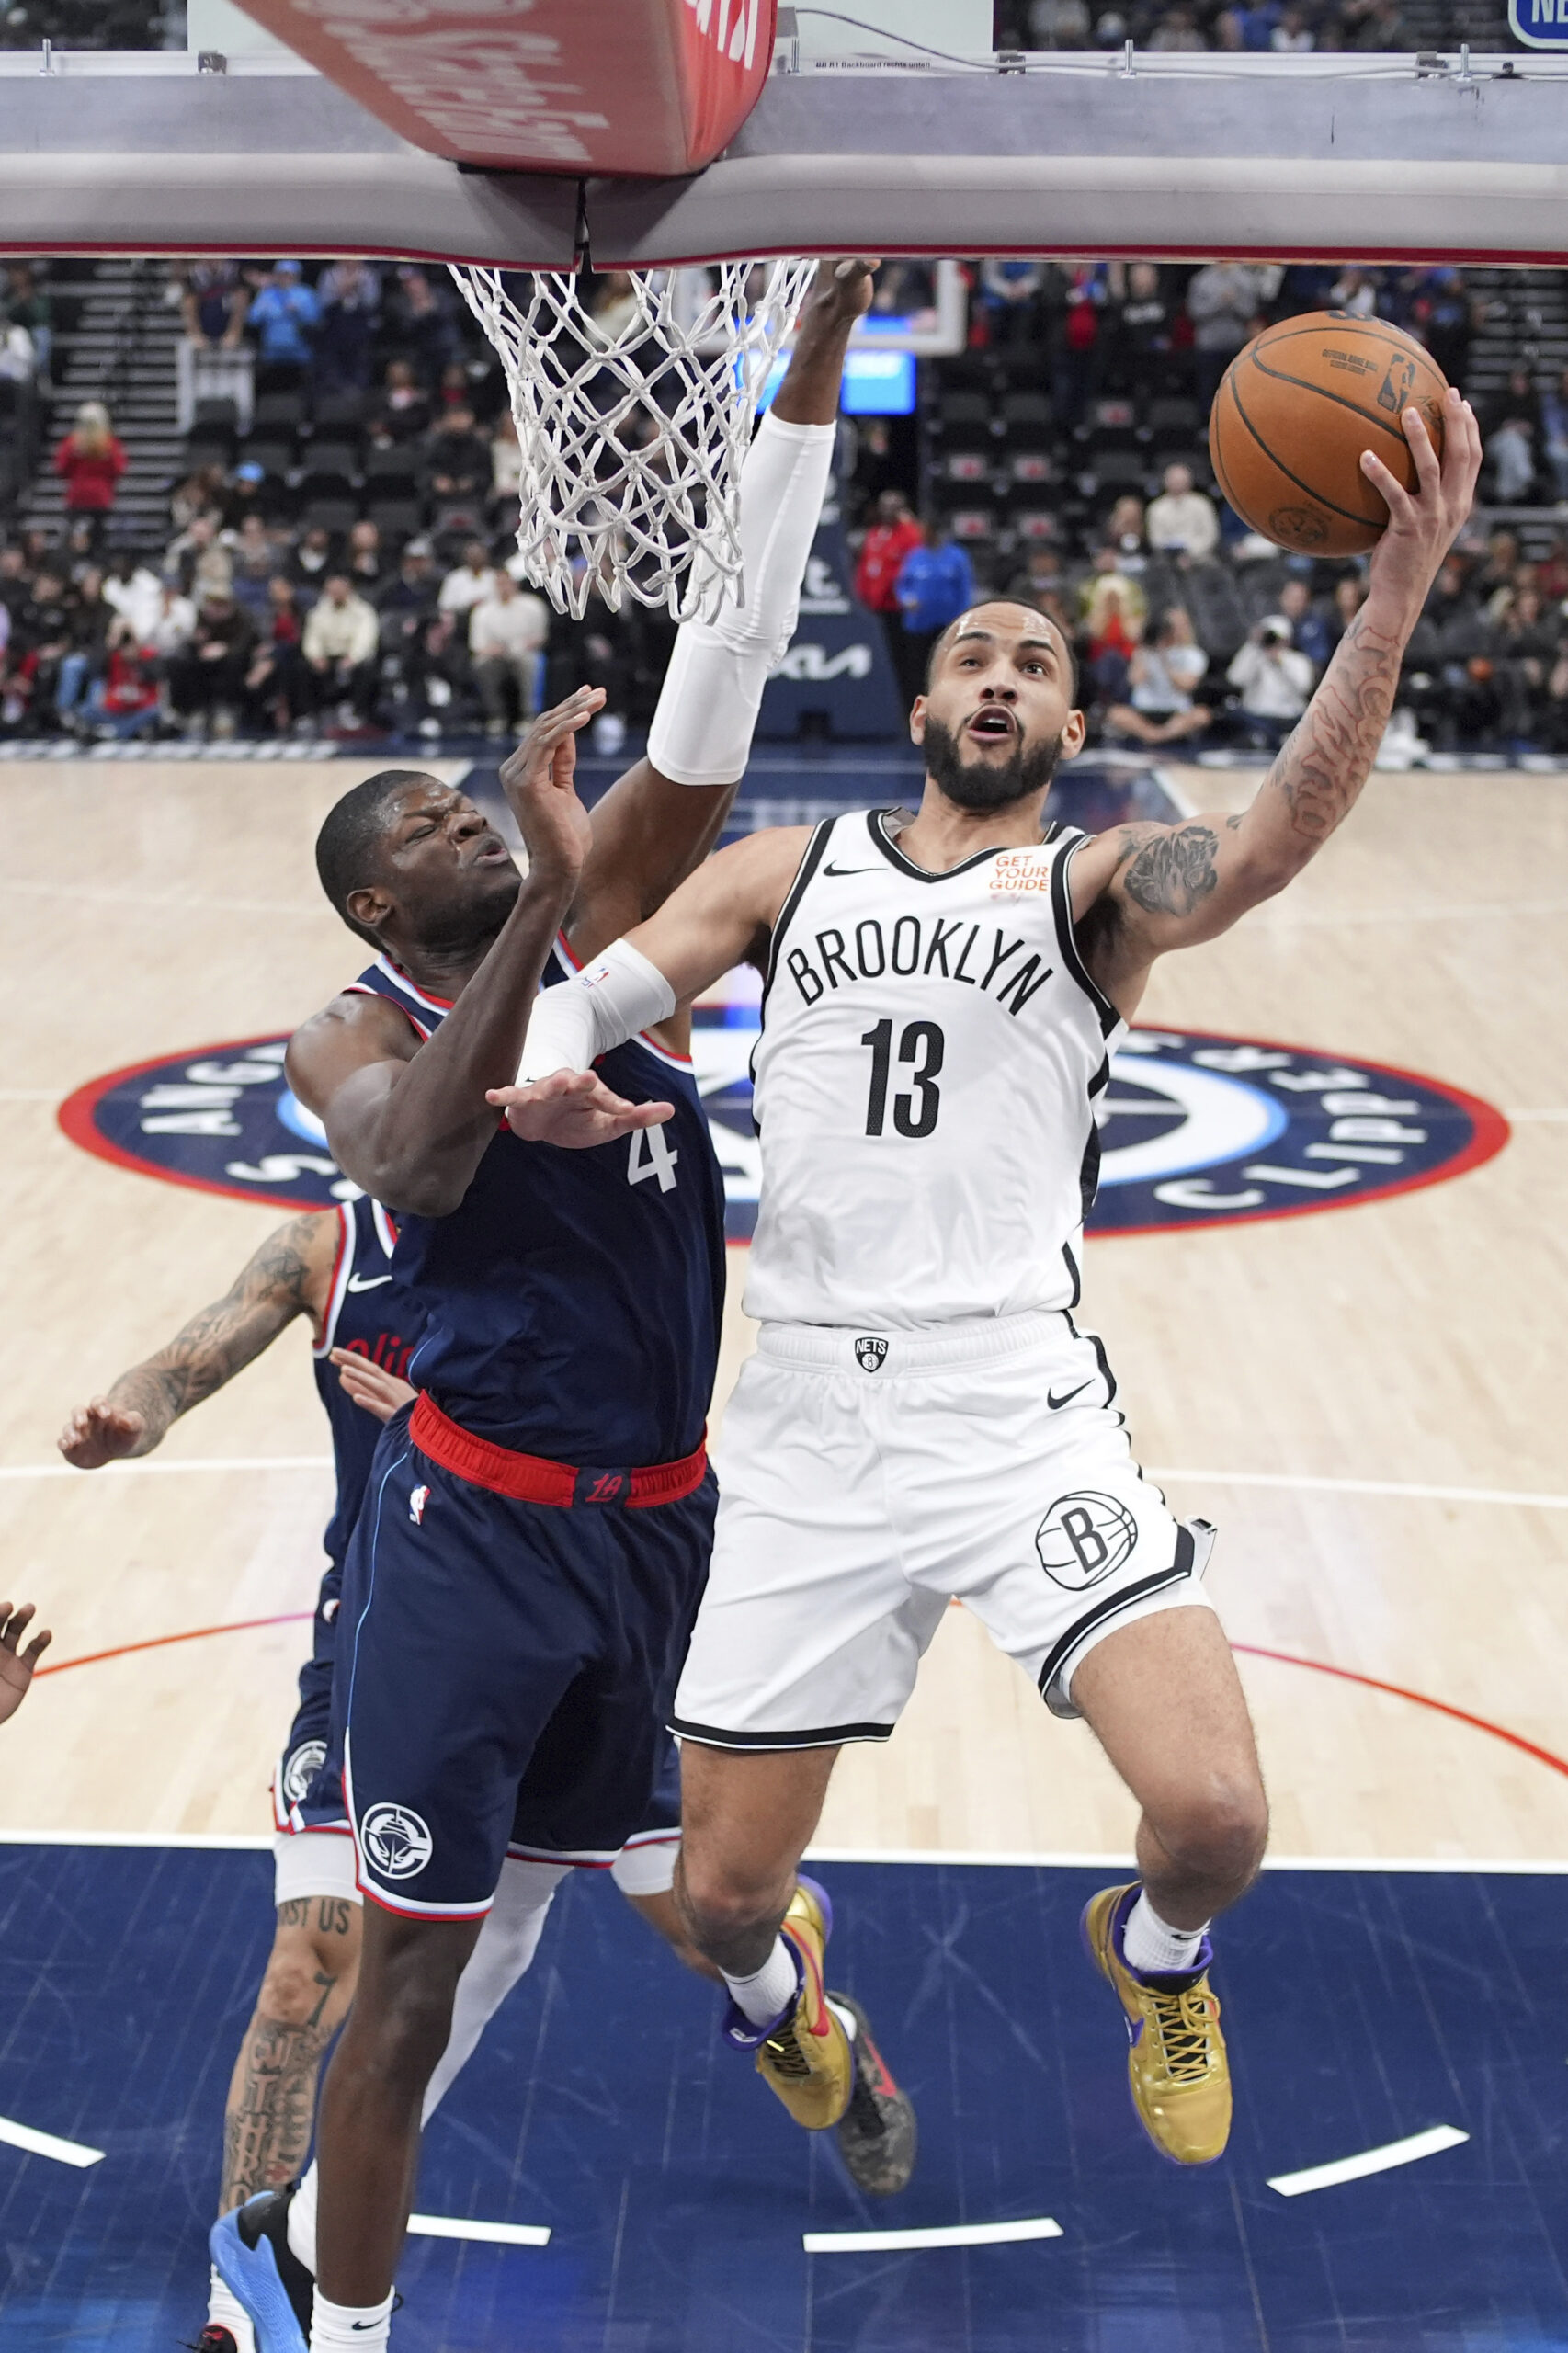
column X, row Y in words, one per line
column 1293, row 415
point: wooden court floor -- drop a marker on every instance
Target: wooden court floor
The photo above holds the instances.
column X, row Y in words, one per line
column 1416, row 1344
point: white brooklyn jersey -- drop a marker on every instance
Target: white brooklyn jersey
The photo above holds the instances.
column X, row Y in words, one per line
column 931, row 1052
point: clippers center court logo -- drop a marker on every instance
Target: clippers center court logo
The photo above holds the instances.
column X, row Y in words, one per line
column 396, row 1840
column 1195, row 1128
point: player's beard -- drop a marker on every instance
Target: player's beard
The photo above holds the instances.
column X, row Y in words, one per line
column 981, row 784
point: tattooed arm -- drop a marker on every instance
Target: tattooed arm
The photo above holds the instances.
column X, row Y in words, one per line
column 289, row 1274
column 1141, row 890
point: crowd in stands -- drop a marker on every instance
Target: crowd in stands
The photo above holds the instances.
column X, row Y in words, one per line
column 347, row 564
column 1285, row 28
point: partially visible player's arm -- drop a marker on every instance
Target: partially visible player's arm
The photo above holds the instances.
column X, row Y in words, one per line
column 17, row 1664
column 723, row 915
column 290, row 1275
column 661, row 818
column 371, row 1386
column 1139, row 890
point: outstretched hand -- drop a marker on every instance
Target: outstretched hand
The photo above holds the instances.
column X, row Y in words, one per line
column 538, row 780
column 1423, row 523
column 842, row 288
column 16, row 1664
column 371, row 1386
column 573, row 1108
column 99, row 1433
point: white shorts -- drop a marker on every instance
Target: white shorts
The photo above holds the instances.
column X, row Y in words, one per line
column 864, row 1478
column 307, row 1863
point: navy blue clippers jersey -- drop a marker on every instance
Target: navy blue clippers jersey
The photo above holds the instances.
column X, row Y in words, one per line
column 368, row 1310
column 573, row 1303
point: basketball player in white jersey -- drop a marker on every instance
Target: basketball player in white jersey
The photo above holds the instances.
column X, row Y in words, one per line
column 922, row 1417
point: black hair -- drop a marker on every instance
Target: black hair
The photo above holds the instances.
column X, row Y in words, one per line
column 351, row 833
column 1024, row 606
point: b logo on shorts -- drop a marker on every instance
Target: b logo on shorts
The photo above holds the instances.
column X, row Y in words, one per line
column 396, row 1841
column 1083, row 1539
column 299, row 1768
column 870, row 1355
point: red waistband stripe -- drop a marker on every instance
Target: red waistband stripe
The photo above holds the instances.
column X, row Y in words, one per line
column 530, row 1478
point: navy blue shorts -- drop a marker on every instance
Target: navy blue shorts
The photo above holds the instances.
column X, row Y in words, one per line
column 304, row 1751
column 505, row 1675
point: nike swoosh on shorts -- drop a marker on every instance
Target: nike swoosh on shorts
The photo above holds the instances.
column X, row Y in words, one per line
column 1056, row 1403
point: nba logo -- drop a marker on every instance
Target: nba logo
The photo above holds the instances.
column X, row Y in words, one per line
column 416, row 1502
column 869, row 1353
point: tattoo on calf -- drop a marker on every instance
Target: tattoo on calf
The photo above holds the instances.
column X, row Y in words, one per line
column 266, row 2128
column 1173, row 871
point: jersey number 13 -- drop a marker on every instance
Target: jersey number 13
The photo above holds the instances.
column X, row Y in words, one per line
column 921, row 1046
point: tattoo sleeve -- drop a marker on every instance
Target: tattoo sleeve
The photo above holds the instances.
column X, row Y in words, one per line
column 224, row 1338
column 1319, row 774
column 272, row 2099
column 1173, row 873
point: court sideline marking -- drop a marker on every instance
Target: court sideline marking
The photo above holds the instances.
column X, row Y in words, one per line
column 47, row 2145
column 1381, row 2160
column 944, row 2234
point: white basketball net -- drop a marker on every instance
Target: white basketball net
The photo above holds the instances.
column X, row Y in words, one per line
column 633, row 427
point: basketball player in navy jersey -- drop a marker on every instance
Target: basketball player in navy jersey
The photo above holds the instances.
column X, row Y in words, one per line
column 534, row 1537
column 335, row 1270
column 922, row 1417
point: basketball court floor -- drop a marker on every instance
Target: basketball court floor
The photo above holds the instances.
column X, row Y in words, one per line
column 1338, row 1327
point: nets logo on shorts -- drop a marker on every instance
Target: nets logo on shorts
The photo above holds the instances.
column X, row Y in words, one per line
column 1085, row 1538
column 397, row 1842
column 1195, row 1129
column 870, row 1355
column 300, row 1767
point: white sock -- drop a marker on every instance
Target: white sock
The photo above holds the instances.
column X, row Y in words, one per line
column 302, row 2232
column 1153, row 1946
column 846, row 2018
column 771, row 1990
column 508, row 1943
column 349, row 2328
column 225, row 2310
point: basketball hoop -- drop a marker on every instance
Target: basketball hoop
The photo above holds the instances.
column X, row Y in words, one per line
column 633, row 427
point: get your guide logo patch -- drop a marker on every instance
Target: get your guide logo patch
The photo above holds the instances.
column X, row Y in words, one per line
column 1196, row 1129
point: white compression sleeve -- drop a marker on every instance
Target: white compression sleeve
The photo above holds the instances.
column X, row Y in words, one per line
column 708, row 705
column 610, row 999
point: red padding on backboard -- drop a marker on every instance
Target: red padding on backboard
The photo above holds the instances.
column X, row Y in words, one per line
column 627, row 87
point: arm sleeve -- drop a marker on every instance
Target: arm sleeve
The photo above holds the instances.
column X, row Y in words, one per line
column 702, row 730
column 609, row 1000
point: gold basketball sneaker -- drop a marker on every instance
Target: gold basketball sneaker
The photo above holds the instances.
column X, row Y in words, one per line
column 804, row 2055
column 1176, row 2065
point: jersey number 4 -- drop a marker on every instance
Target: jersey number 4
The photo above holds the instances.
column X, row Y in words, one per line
column 921, row 1046
column 651, row 1156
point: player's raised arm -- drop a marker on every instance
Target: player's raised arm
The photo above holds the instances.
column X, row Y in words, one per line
column 659, row 822
column 290, row 1275
column 723, row 916
column 1141, row 890
column 409, row 1124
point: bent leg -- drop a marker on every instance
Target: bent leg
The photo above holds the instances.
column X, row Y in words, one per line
column 1164, row 1699
column 747, row 1819
column 304, row 1999
column 398, row 2028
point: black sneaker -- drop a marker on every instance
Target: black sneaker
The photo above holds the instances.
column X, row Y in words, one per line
column 878, row 2137
column 214, row 2340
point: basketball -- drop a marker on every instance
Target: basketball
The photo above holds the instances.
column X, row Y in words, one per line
column 1294, row 412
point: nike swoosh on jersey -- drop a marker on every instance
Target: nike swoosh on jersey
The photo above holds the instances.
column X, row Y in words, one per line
column 368, row 1282
column 849, row 870
column 1056, row 1403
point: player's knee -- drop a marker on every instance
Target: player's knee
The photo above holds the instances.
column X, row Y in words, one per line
column 719, row 1904
column 293, row 1987
column 1218, row 1833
